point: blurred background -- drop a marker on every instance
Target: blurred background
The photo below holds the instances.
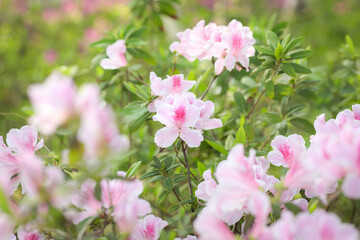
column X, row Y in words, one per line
column 37, row 36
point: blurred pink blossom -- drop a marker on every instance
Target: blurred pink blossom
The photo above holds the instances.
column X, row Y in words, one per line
column 53, row 102
column 148, row 228
column 50, row 56
column 207, row 187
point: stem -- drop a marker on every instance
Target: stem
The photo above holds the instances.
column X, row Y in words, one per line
column 262, row 93
column 137, row 78
column 208, row 88
column 188, row 168
column 176, row 151
column 253, row 107
column 177, row 196
column 353, row 212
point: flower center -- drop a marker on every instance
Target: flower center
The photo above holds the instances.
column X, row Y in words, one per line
column 236, row 43
column 176, row 85
column 150, row 232
column 179, row 115
column 287, row 153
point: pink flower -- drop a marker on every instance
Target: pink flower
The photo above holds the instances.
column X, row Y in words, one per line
column 318, row 225
column 230, row 44
column 50, row 56
column 286, row 150
column 53, row 102
column 205, row 122
column 179, row 118
column 31, row 174
column 207, row 187
column 116, row 54
column 24, row 139
column 148, row 228
column 170, row 86
column 120, row 195
column 209, row 226
column 238, row 189
column 86, row 201
column 6, row 227
column 351, row 186
column 98, row 130
column 25, row 234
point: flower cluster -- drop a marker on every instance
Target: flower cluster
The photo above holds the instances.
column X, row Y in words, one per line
column 332, row 155
column 229, row 45
column 243, row 183
column 182, row 114
column 57, row 101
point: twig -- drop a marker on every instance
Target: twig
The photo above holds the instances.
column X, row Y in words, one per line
column 14, row 114
column 176, row 151
column 137, row 78
column 188, row 168
column 209, row 86
column 253, row 107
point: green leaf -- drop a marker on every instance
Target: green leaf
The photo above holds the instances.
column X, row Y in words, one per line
column 201, row 167
column 139, row 122
column 295, row 109
column 283, row 89
column 135, row 33
column 173, row 208
column 303, row 124
column 82, row 227
column 136, row 42
column 300, row 53
column 282, row 127
column 167, row 8
column 295, row 42
column 265, row 50
column 350, row 44
column 278, row 52
column 218, row 147
column 133, row 168
column 273, row 117
column 307, row 93
column 272, row 39
column 300, row 68
column 288, row 69
column 150, row 174
column 293, row 208
column 141, row 54
column 269, row 88
column 103, row 43
column 4, row 202
column 240, row 102
column 313, row 204
column 276, row 210
column 168, row 185
column 240, row 136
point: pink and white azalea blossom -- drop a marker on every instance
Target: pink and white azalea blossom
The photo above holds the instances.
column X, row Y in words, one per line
column 238, row 191
column 318, row 225
column 286, row 150
column 179, row 119
column 207, row 187
column 31, row 174
column 170, row 86
column 209, row 226
column 24, row 139
column 229, row 45
column 86, row 201
column 53, row 102
column 116, row 56
column 148, row 228
column 98, row 130
column 29, row 234
column 6, row 227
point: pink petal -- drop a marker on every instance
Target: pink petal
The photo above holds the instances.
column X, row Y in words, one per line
column 111, row 64
column 219, row 65
column 166, row 136
column 211, row 124
column 351, row 186
column 116, row 50
column 23, row 140
column 191, row 137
